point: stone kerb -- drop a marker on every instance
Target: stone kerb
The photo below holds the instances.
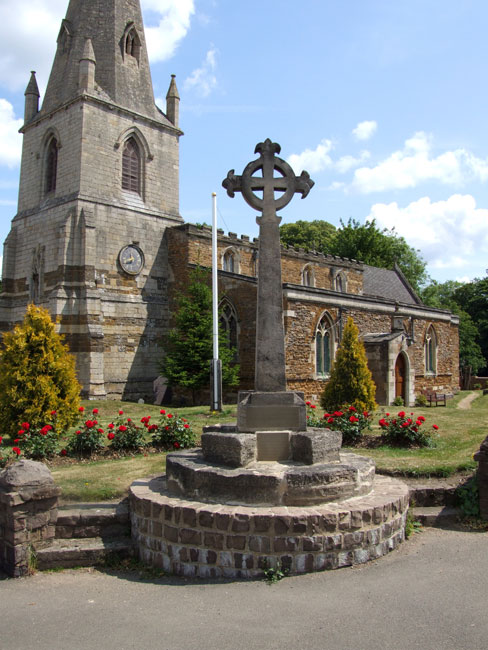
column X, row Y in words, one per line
column 28, row 514
column 197, row 539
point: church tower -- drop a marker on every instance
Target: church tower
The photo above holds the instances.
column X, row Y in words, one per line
column 98, row 187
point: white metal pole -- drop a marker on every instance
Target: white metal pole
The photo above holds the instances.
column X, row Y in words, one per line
column 215, row 286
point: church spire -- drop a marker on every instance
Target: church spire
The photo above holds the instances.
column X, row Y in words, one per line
column 121, row 75
column 31, row 98
column 173, row 102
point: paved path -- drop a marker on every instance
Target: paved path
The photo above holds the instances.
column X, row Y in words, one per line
column 465, row 403
column 431, row 594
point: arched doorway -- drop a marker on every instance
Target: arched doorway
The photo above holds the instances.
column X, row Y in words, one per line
column 401, row 378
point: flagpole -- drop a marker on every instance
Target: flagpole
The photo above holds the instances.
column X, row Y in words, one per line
column 216, row 366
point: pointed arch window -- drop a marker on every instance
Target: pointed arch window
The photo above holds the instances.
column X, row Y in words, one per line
column 229, row 326
column 131, row 167
column 229, row 262
column 430, row 351
column 341, row 282
column 308, row 278
column 324, row 346
column 132, row 43
column 51, row 166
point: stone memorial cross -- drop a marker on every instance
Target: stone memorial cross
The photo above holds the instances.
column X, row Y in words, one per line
column 266, row 192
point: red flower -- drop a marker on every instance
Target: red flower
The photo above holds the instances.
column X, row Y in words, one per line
column 330, row 420
column 88, row 424
column 53, row 413
column 16, row 450
column 401, row 414
column 21, row 432
column 308, row 403
column 95, row 411
column 100, row 430
column 78, row 433
column 166, row 428
column 121, row 412
column 351, row 408
column 186, row 426
column 1, row 440
column 95, row 422
column 176, row 445
column 81, row 409
column 387, row 414
column 26, row 426
column 183, row 420
column 63, row 452
column 162, row 412
column 312, row 406
column 338, row 414
column 122, row 428
column 366, row 414
column 17, row 440
column 111, row 426
column 129, row 420
column 353, row 419
column 434, row 426
column 170, row 415
column 111, row 436
column 421, row 418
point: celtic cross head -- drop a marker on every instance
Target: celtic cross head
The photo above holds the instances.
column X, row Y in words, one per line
column 268, row 183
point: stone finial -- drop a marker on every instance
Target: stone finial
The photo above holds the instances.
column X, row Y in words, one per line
column 31, row 98
column 87, row 68
column 173, row 102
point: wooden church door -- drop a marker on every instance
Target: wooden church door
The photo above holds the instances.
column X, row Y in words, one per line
column 400, row 377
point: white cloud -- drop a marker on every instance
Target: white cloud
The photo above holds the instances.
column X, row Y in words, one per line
column 450, row 233
column 365, row 130
column 203, row 79
column 312, row 160
column 415, row 164
column 11, row 148
column 30, row 30
column 346, row 163
column 174, row 23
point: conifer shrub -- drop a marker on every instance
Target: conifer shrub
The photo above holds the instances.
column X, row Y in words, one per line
column 37, row 375
column 350, row 383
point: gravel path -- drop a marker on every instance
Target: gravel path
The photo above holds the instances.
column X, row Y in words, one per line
column 465, row 403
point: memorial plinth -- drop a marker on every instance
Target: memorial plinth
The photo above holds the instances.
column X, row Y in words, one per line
column 267, row 491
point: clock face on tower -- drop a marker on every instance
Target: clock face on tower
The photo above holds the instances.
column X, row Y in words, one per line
column 131, row 259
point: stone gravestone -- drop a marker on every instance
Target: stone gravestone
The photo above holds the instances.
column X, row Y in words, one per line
column 268, row 184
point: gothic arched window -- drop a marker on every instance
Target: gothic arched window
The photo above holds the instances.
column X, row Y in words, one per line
column 132, row 43
column 131, row 167
column 324, row 346
column 51, row 165
column 229, row 262
column 341, row 282
column 308, row 279
column 430, row 350
column 228, row 325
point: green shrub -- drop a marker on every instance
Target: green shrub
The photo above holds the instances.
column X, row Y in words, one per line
column 468, row 497
column 38, row 442
column 398, row 401
column 125, row 435
column 86, row 440
column 350, row 380
column 401, row 430
column 350, row 422
column 421, row 400
column 172, row 432
column 37, row 375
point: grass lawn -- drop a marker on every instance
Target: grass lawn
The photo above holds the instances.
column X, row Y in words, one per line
column 459, row 437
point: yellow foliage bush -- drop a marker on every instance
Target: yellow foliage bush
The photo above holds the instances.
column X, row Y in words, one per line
column 37, row 375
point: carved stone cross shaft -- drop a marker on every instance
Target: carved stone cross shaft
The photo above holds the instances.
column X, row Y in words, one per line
column 267, row 193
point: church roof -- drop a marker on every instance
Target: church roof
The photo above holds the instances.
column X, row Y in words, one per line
column 388, row 283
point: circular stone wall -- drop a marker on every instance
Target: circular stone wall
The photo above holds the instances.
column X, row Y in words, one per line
column 197, row 539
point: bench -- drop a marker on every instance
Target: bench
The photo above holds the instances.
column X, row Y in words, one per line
column 435, row 398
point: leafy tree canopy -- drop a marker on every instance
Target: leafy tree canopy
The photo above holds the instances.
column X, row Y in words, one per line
column 453, row 296
column 364, row 242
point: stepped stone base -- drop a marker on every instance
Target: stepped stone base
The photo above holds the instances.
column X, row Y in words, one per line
column 90, row 551
column 196, row 539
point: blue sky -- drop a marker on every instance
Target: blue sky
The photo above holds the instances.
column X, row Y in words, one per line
column 382, row 102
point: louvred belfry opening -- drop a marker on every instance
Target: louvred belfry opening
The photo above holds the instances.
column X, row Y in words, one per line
column 131, row 167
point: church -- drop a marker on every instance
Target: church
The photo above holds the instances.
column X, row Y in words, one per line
column 98, row 239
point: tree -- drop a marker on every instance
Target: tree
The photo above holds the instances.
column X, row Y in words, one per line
column 350, row 383
column 310, row 235
column 37, row 375
column 473, row 298
column 364, row 242
column 188, row 347
column 453, row 296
